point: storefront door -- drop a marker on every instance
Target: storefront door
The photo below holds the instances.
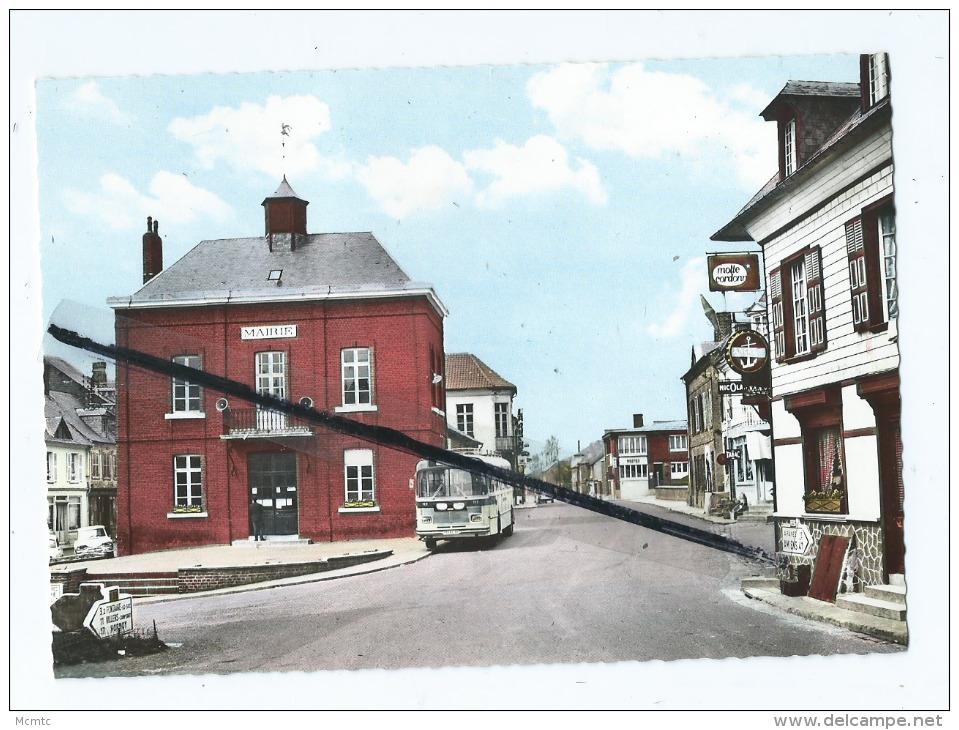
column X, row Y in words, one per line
column 272, row 478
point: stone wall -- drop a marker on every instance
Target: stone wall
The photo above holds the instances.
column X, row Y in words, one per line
column 865, row 549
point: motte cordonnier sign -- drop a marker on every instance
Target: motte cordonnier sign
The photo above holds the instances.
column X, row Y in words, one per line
column 268, row 332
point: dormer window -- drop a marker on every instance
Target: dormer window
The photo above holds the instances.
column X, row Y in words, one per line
column 790, row 157
column 878, row 77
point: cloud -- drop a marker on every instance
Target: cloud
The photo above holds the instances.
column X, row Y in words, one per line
column 429, row 181
column 88, row 100
column 172, row 199
column 653, row 114
column 693, row 276
column 541, row 165
column 248, row 137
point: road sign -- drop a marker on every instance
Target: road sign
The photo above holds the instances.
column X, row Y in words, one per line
column 107, row 618
column 747, row 352
column 796, row 539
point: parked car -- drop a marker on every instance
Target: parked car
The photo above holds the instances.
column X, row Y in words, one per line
column 93, row 542
column 543, row 498
column 56, row 552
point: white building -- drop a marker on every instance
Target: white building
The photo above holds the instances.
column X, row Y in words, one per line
column 479, row 403
column 826, row 226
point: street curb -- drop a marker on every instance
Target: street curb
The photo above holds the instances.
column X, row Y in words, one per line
column 880, row 628
column 362, row 569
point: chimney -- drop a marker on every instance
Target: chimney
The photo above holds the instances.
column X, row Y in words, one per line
column 285, row 218
column 637, row 420
column 152, row 250
column 99, row 377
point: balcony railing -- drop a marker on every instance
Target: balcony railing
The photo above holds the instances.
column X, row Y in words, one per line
column 260, row 423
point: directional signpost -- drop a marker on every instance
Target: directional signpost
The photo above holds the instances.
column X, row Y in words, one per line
column 796, row 539
column 108, row 618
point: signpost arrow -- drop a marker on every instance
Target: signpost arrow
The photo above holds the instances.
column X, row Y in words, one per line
column 108, row 618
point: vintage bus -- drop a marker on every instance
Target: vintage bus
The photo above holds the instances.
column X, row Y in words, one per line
column 452, row 504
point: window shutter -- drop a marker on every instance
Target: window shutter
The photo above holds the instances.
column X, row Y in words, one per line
column 858, row 276
column 779, row 330
column 814, row 300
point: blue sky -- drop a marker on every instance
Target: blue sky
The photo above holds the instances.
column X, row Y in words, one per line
column 561, row 212
column 584, row 292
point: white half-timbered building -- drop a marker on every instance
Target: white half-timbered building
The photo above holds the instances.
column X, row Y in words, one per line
column 826, row 226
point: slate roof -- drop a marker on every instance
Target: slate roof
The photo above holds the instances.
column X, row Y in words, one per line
column 322, row 266
column 654, row 427
column 593, row 453
column 62, row 408
column 858, row 124
column 812, row 88
column 468, row 372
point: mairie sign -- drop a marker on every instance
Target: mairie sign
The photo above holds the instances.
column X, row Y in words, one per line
column 268, row 332
column 795, row 539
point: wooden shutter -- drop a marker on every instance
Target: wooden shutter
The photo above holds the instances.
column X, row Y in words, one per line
column 859, row 289
column 776, row 304
column 815, row 301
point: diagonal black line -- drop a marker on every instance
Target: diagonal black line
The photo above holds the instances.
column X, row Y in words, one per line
column 394, row 439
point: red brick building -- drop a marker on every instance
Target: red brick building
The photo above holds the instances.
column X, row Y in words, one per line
column 325, row 317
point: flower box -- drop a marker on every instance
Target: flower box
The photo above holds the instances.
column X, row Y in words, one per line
column 820, row 503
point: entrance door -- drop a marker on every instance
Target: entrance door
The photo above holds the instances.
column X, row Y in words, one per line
column 272, row 478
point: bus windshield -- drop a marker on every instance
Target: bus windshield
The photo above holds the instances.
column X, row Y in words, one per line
column 441, row 482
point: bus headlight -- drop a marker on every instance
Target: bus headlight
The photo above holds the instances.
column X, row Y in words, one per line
column 440, row 506
column 476, row 518
column 459, row 505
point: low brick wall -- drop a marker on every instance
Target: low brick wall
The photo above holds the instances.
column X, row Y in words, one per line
column 675, row 494
column 70, row 579
column 192, row 580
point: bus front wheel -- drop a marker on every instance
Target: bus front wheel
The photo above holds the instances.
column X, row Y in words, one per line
column 508, row 530
column 430, row 543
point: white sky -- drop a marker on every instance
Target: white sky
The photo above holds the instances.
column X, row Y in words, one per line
column 561, row 211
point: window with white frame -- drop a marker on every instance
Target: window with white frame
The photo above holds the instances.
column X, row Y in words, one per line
column 186, row 395
column 501, row 418
column 799, row 316
column 679, row 468
column 871, row 251
column 188, row 480
column 464, row 418
column 632, row 445
column 360, row 481
column 878, row 77
column 678, row 442
column 634, row 471
column 357, row 363
column 790, row 157
column 51, row 467
column 74, row 467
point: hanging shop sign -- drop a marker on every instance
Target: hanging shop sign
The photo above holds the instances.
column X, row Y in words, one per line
column 733, row 272
column 747, row 352
column 738, row 387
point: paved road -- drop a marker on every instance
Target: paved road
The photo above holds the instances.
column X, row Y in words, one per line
column 568, row 586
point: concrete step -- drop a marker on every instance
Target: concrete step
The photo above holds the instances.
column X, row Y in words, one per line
column 861, row 603
column 890, row 593
column 273, row 541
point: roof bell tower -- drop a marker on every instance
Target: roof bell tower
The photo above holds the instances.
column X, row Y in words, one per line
column 285, row 214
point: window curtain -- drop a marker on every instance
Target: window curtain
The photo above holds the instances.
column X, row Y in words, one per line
column 828, row 443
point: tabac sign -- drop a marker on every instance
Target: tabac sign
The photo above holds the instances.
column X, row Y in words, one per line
column 733, row 272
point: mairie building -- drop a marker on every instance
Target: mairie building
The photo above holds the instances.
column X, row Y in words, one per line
column 328, row 320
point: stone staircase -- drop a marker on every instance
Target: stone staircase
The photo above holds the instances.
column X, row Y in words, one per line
column 882, row 601
column 757, row 513
column 273, row 541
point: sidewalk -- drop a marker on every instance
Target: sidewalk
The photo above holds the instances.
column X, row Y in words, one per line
column 397, row 551
column 766, row 589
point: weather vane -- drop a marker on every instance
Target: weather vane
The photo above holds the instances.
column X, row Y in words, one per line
column 284, row 132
